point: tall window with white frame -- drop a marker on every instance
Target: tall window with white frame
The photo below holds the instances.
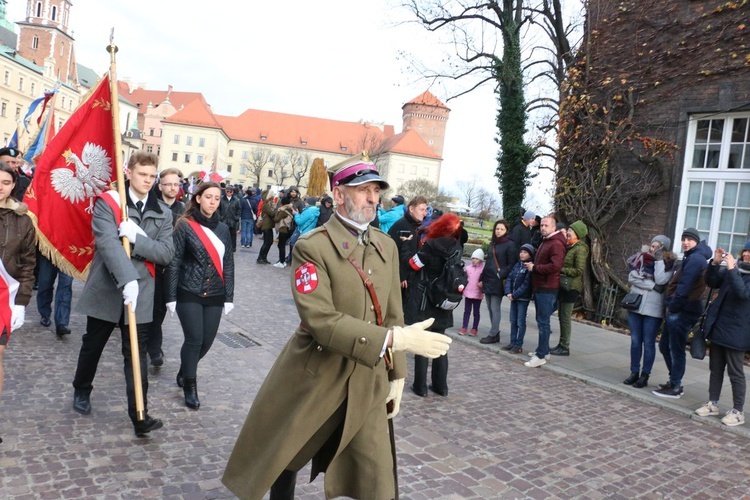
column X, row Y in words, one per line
column 715, row 194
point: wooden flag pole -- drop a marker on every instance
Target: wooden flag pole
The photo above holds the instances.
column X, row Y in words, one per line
column 140, row 412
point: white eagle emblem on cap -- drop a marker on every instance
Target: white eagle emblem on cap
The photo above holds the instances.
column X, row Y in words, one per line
column 90, row 177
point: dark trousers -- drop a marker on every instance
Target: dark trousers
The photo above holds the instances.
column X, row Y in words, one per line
column 471, row 306
column 48, row 273
column 93, row 342
column 233, row 237
column 439, row 372
column 283, row 238
column 731, row 359
column 267, row 242
column 154, row 336
column 199, row 324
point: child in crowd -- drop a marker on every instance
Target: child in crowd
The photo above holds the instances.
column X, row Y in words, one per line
column 518, row 291
column 473, row 292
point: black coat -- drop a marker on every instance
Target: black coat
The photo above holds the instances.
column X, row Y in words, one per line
column 406, row 249
column 192, row 269
column 229, row 211
column 507, row 254
column 726, row 320
column 433, row 254
column 520, row 234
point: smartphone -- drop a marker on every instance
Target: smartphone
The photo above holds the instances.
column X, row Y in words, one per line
column 404, row 234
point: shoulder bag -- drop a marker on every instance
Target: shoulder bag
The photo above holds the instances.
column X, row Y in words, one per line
column 631, row 301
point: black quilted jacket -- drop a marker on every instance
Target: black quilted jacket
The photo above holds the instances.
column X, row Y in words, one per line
column 192, row 269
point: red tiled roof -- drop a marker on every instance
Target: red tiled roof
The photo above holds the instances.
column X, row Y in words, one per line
column 143, row 97
column 196, row 112
column 280, row 129
column 410, row 143
column 428, row 99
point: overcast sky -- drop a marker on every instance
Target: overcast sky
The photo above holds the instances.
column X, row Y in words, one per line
column 336, row 59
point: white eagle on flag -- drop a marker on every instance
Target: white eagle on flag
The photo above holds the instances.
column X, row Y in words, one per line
column 90, row 178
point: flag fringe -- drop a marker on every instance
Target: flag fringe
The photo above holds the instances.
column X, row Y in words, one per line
column 47, row 249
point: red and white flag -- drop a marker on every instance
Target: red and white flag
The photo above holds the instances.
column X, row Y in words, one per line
column 8, row 290
column 76, row 166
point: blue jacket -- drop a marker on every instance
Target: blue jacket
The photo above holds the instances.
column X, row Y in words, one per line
column 687, row 285
column 726, row 320
column 518, row 282
column 307, row 219
column 388, row 217
column 246, row 208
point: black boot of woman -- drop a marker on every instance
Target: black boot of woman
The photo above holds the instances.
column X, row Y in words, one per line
column 191, row 394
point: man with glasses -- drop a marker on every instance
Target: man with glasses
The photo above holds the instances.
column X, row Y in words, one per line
column 169, row 189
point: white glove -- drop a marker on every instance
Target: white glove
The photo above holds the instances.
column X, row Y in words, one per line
column 129, row 229
column 415, row 339
column 171, row 307
column 228, row 306
column 397, row 390
column 17, row 317
column 130, row 293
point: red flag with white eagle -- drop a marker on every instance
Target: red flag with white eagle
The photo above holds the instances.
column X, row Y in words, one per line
column 74, row 168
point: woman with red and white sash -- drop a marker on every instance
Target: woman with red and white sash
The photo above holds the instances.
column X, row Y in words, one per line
column 17, row 259
column 200, row 281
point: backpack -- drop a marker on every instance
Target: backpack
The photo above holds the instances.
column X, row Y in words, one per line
column 446, row 291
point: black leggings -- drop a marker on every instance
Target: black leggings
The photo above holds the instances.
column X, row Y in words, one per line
column 267, row 242
column 283, row 239
column 199, row 324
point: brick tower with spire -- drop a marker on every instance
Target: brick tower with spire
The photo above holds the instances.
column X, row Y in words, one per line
column 427, row 116
column 46, row 40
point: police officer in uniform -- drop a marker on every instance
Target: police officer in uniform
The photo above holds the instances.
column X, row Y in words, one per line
column 325, row 399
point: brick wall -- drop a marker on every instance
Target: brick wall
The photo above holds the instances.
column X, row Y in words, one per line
column 680, row 57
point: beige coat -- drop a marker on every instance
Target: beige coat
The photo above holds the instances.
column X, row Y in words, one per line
column 331, row 362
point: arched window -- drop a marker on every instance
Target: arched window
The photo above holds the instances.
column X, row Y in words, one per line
column 54, row 12
column 35, row 42
column 62, row 49
column 39, row 9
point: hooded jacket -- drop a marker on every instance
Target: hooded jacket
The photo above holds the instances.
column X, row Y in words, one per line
column 687, row 285
column 18, row 248
column 726, row 320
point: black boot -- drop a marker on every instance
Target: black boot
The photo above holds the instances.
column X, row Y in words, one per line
column 180, row 379
column 631, row 379
column 191, row 394
column 642, row 381
column 283, row 487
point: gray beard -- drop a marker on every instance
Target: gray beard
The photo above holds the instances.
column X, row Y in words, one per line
column 357, row 216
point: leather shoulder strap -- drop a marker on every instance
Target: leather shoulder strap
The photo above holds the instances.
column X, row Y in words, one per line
column 368, row 284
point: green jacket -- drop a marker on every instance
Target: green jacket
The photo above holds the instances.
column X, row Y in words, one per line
column 575, row 264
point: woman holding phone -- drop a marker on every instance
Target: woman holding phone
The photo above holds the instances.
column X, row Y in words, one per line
column 650, row 271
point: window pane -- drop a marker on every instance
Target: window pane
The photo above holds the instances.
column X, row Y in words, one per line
column 743, row 200
column 739, row 129
column 712, row 156
column 717, row 128
column 735, row 156
column 704, row 219
column 724, row 241
column 707, row 198
column 699, row 157
column 701, row 133
column 746, row 161
column 694, row 192
column 727, row 220
column 730, row 194
column 742, row 222
column 691, row 217
column 737, row 243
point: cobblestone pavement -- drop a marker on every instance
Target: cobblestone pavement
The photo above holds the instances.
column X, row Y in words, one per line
column 504, row 431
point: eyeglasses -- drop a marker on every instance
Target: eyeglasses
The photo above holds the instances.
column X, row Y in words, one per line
column 174, row 185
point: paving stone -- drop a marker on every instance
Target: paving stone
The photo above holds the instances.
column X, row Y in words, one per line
column 570, row 429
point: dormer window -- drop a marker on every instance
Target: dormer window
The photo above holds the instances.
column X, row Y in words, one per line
column 343, row 148
column 303, row 140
